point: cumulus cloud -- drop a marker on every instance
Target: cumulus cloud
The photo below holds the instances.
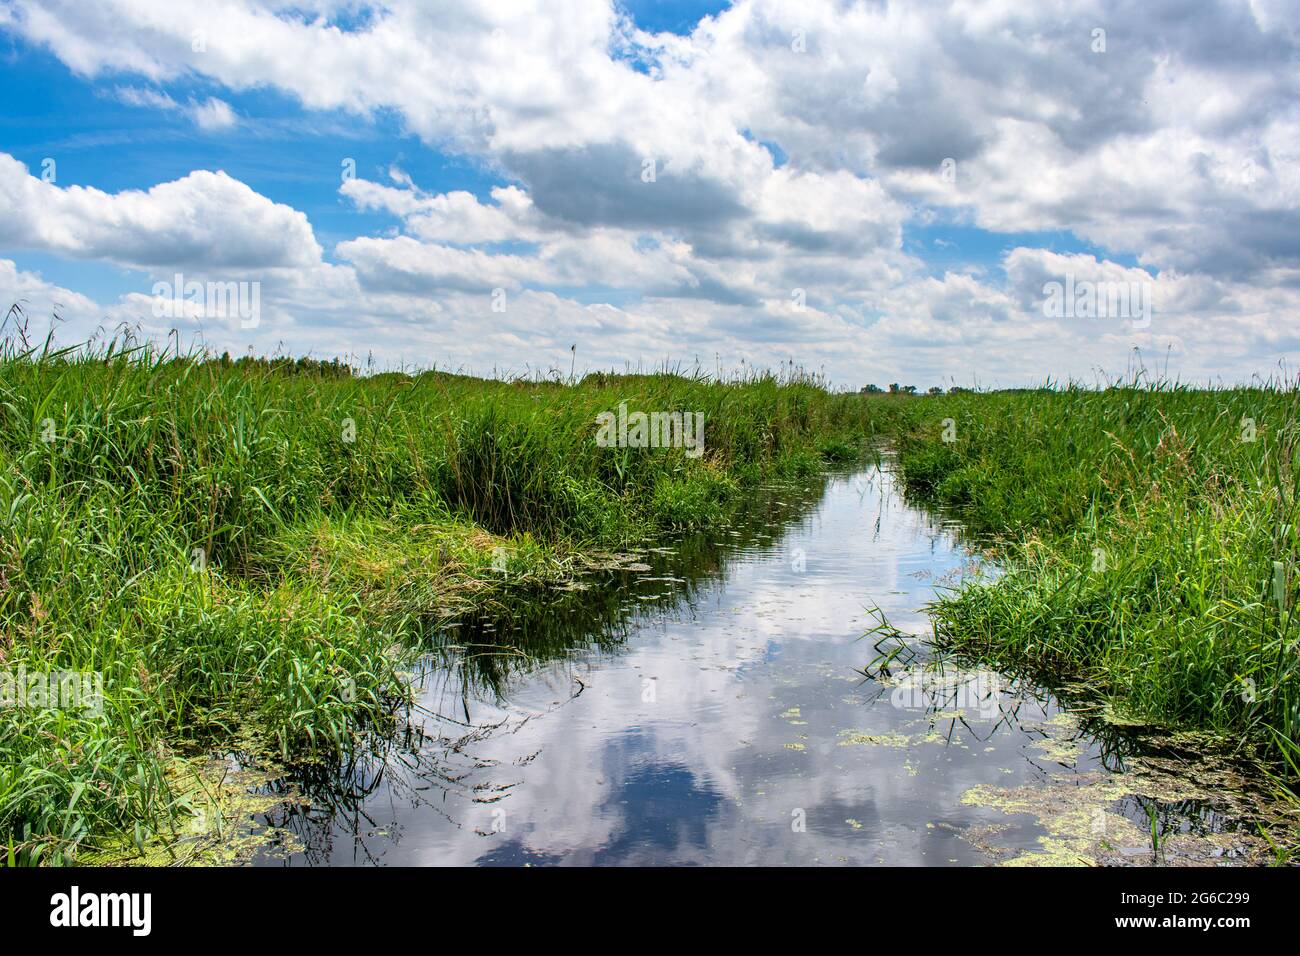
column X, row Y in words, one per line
column 205, row 220
column 405, row 265
column 449, row 217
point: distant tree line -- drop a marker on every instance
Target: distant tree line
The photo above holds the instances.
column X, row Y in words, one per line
column 329, row 368
column 897, row 389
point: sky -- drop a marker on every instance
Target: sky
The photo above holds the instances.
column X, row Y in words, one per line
column 940, row 192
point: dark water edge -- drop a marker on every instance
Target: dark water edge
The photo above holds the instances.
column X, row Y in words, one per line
column 709, row 703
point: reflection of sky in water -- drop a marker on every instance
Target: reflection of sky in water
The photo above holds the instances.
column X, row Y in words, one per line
column 718, row 726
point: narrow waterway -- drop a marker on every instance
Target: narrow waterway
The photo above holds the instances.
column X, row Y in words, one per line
column 707, row 703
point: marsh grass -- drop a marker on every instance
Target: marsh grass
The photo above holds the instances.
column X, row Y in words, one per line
column 254, row 553
column 1149, row 539
column 253, row 550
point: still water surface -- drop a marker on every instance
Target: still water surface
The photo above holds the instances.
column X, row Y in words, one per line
column 712, row 708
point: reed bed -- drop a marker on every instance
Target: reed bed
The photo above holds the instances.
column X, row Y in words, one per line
column 250, row 552
column 1148, row 534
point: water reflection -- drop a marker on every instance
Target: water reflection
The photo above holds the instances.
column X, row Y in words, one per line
column 716, row 708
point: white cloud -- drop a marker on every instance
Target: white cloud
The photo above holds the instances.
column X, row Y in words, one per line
column 204, row 220
column 405, row 265
column 450, row 217
column 39, row 300
column 210, row 114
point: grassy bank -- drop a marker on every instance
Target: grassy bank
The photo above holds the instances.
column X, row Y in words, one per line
column 248, row 553
column 1150, row 540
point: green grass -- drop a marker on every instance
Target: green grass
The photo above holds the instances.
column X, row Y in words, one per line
column 250, row 553
column 1149, row 538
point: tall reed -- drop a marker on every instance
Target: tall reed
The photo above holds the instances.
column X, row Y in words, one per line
column 1149, row 535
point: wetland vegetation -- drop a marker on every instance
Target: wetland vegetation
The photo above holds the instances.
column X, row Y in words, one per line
column 1149, row 539
column 252, row 550
column 252, row 554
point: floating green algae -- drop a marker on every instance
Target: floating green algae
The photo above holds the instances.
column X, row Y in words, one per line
column 1084, row 826
column 224, row 799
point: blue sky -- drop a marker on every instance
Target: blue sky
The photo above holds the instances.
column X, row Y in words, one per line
column 799, row 204
column 670, row 16
column 48, row 111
